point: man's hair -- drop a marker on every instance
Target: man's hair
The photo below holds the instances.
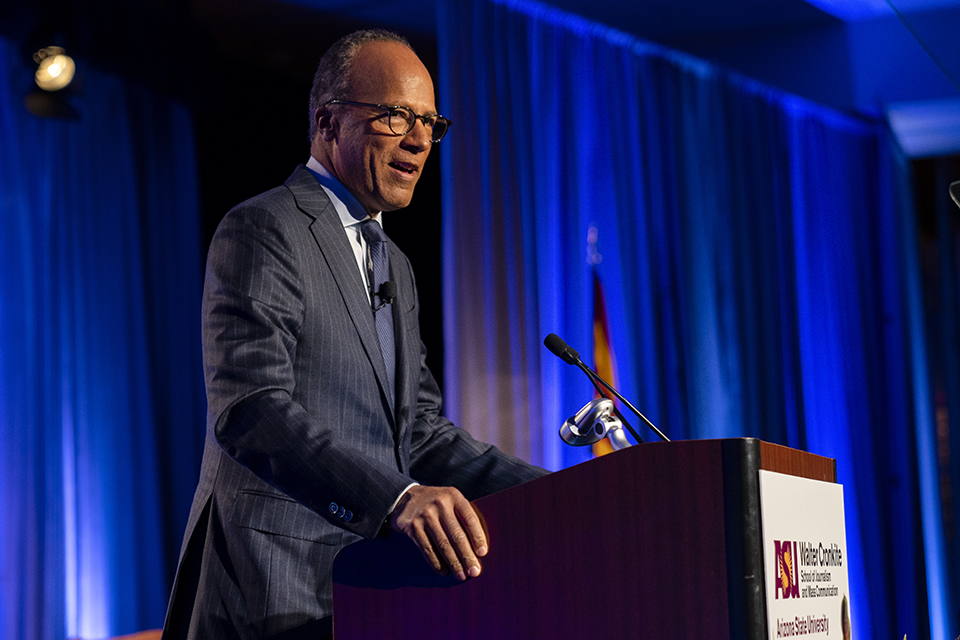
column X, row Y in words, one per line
column 330, row 81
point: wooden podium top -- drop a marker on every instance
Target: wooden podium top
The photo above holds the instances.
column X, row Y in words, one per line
column 775, row 457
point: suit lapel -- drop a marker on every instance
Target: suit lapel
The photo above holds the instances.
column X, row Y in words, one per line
column 328, row 231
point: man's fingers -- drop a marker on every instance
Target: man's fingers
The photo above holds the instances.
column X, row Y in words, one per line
column 450, row 546
column 473, row 527
column 453, row 545
column 461, row 527
column 444, row 526
column 428, row 549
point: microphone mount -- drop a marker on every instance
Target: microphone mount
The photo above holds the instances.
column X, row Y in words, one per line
column 593, row 423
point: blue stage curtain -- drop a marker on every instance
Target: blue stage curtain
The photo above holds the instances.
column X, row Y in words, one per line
column 101, row 394
column 759, row 260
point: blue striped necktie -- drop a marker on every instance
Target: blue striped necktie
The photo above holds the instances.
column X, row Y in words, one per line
column 378, row 266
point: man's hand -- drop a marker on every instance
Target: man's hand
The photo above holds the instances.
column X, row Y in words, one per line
column 444, row 526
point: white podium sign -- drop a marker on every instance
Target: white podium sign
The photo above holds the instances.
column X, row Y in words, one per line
column 804, row 557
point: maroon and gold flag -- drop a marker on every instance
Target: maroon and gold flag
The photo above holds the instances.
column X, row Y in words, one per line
column 603, row 362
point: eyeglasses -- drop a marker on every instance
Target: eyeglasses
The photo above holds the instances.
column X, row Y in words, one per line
column 401, row 120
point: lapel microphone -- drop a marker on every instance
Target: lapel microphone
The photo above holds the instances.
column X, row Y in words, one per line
column 387, row 294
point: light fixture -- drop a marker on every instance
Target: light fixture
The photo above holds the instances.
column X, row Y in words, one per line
column 55, row 68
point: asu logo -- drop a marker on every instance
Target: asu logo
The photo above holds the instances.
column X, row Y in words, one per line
column 787, row 586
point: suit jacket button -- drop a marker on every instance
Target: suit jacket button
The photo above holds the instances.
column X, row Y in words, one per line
column 348, row 516
column 341, row 512
column 333, row 507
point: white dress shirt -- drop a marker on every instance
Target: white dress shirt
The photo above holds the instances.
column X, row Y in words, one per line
column 351, row 214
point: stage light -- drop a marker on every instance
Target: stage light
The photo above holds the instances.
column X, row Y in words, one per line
column 55, row 68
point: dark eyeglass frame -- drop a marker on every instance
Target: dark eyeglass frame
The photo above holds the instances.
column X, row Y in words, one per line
column 390, row 109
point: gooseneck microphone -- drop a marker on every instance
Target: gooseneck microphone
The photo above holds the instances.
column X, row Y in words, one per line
column 562, row 350
column 387, row 294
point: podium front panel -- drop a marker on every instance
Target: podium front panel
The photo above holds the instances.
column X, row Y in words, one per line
column 653, row 541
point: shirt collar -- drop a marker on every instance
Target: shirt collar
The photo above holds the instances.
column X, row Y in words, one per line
column 351, row 212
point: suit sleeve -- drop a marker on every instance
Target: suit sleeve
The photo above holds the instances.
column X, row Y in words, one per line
column 443, row 454
column 253, row 314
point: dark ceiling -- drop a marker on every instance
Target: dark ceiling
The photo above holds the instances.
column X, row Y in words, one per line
column 886, row 58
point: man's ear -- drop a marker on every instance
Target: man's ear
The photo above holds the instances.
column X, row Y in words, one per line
column 326, row 123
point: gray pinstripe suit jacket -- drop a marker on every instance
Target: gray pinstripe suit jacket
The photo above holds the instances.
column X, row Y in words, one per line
column 304, row 452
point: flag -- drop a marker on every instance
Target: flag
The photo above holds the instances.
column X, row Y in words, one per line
column 603, row 362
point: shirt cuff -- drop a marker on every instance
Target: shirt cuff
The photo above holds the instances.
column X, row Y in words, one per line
column 402, row 493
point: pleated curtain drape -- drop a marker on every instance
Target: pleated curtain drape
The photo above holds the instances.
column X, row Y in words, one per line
column 758, row 257
column 101, row 389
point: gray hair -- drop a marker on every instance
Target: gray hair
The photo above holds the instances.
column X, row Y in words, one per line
column 330, row 81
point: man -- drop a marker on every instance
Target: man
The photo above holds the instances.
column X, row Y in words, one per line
column 319, row 431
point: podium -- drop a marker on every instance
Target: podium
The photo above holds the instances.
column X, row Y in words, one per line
column 660, row 540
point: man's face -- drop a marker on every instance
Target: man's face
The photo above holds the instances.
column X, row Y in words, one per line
column 378, row 167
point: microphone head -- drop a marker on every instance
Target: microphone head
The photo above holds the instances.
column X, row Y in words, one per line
column 388, row 291
column 561, row 349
